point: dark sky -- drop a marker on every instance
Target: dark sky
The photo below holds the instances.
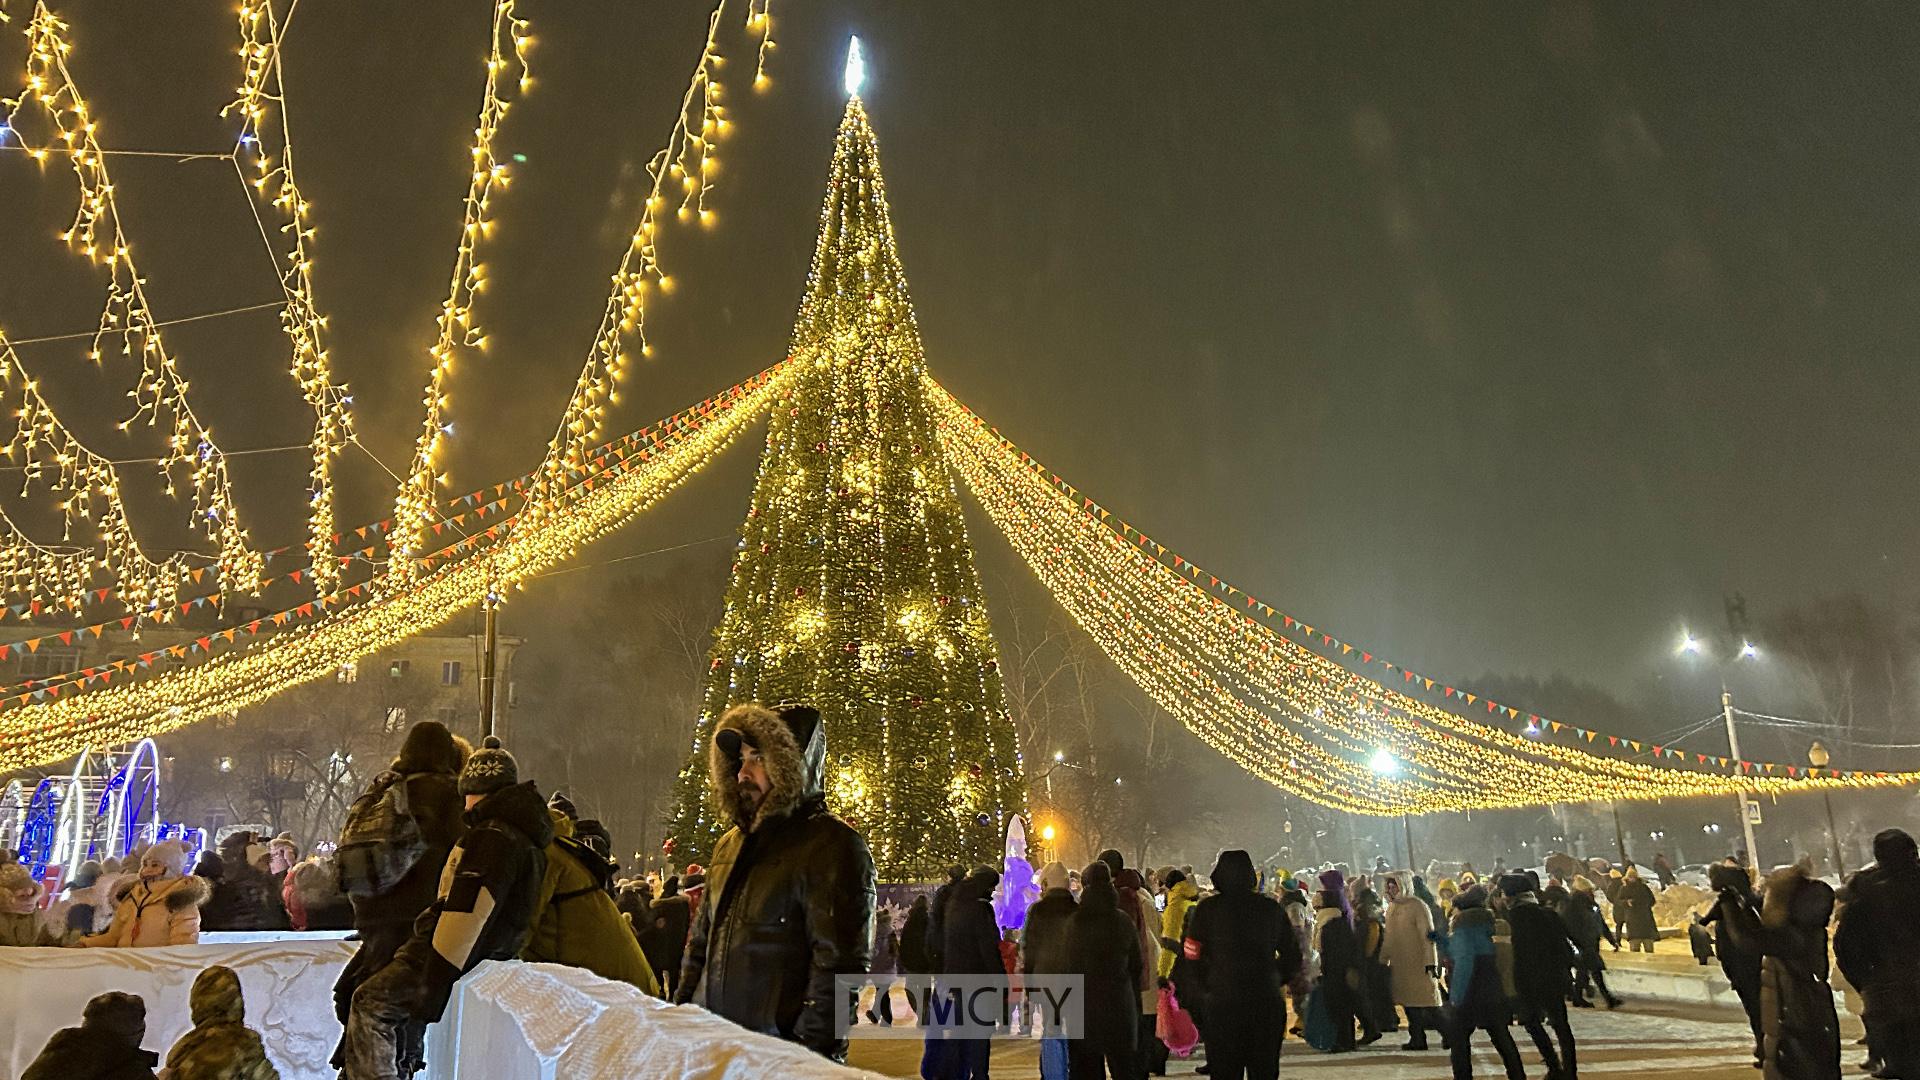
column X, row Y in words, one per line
column 1492, row 337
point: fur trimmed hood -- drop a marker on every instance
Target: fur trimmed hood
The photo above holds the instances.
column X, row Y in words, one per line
column 179, row 893
column 793, row 743
column 1795, row 898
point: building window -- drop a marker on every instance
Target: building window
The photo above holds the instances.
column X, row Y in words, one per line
column 45, row 662
column 349, row 672
column 450, row 673
column 397, row 668
column 396, row 719
column 446, row 717
column 215, row 821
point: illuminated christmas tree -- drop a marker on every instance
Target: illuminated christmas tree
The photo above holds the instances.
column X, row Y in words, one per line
column 854, row 589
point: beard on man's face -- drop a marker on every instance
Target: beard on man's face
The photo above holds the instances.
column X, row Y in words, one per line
column 749, row 796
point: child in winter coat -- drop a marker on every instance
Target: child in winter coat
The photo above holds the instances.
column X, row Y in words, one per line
column 160, row 907
column 220, row 1046
column 21, row 920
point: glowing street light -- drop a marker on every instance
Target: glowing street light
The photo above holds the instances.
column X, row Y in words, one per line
column 1689, row 643
column 1046, row 833
column 1748, row 651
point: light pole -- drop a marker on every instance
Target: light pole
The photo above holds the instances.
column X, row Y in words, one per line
column 1691, row 645
column 1818, row 757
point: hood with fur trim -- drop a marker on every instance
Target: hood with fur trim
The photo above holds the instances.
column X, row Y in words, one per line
column 1795, row 898
column 180, row 893
column 792, row 742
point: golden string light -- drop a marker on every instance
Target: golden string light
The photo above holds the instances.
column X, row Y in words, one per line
column 88, row 487
column 97, row 233
column 261, row 93
column 456, row 326
column 1284, row 712
column 395, row 609
column 689, row 150
column 854, row 586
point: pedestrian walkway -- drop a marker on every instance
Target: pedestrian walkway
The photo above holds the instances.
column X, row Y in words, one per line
column 1639, row 1042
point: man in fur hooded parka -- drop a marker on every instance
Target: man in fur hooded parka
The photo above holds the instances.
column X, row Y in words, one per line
column 790, row 890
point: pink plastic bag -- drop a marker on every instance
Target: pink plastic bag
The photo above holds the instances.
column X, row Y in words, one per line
column 1175, row 1025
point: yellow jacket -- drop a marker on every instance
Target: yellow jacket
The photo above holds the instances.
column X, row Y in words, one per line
column 1173, row 923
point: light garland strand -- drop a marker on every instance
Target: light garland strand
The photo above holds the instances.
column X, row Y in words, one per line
column 457, row 328
column 395, row 609
column 1286, row 713
column 688, row 151
column 97, row 233
column 88, row 486
column 261, row 92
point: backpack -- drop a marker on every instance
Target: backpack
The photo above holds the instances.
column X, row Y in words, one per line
column 381, row 842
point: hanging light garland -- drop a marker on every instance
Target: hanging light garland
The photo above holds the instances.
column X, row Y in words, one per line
column 261, row 98
column 457, row 328
column 126, row 317
column 1286, row 713
column 691, row 151
column 393, row 609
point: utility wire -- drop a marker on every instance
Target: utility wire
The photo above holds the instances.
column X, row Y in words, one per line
column 84, row 334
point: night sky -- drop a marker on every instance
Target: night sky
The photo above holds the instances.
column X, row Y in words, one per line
column 1492, row 337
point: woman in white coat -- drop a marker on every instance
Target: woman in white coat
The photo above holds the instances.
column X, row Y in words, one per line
column 1411, row 959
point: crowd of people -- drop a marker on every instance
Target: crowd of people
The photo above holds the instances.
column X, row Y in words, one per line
column 450, row 858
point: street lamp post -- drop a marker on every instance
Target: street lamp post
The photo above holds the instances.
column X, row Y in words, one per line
column 1818, row 757
column 1746, row 801
column 1691, row 644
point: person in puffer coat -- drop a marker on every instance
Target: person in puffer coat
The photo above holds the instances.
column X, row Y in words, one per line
column 1739, row 961
column 160, row 907
column 575, row 919
column 1876, row 942
column 220, row 1046
column 484, row 912
column 1475, row 990
column 1800, row 1028
column 789, row 895
column 22, row 923
column 1408, row 949
column 1242, row 952
column 1104, row 949
column 1181, row 895
column 106, row 1045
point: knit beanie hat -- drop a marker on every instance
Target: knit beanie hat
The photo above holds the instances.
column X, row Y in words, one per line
column 490, row 769
column 1516, row 884
column 560, row 802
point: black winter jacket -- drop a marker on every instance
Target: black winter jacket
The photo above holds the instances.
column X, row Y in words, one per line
column 789, row 898
column 1544, row 952
column 1877, row 942
column 503, row 855
column 1739, row 960
column 106, row 1045
column 1799, row 1026
column 1242, row 949
column 1104, row 948
column 972, row 935
column 1043, row 944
